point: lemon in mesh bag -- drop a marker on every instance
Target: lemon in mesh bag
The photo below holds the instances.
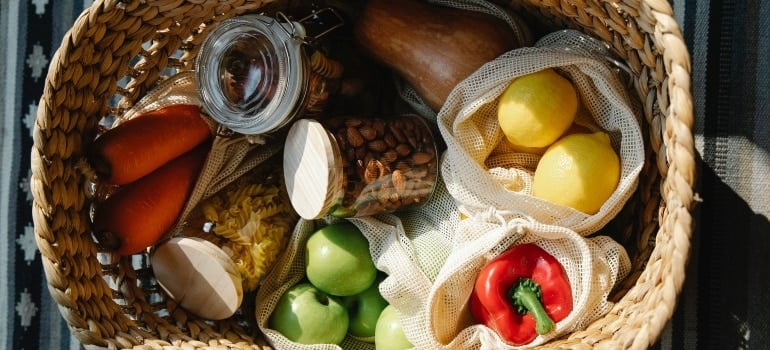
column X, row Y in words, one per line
column 580, row 171
column 482, row 171
column 537, row 108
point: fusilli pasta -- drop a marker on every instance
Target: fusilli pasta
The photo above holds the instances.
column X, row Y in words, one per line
column 251, row 220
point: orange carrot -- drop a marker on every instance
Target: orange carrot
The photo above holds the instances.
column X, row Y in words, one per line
column 137, row 215
column 142, row 144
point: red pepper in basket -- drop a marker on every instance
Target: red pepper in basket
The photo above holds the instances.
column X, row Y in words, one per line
column 521, row 293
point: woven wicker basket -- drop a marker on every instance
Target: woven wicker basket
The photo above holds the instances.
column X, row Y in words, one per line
column 118, row 50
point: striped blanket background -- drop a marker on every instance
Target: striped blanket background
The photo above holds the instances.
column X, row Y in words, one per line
column 725, row 302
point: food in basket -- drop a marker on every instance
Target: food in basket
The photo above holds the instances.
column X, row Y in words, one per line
column 199, row 276
column 431, row 47
column 337, row 260
column 138, row 146
column 358, row 166
column 255, row 74
column 250, row 219
column 580, row 171
column 484, row 170
column 140, row 213
column 364, row 310
column 306, row 315
column 389, row 332
column 537, row 108
column 521, row 294
column 660, row 75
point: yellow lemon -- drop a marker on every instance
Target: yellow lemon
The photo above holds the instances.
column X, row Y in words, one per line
column 536, row 109
column 579, row 171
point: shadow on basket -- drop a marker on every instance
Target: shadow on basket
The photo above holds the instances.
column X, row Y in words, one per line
column 443, row 174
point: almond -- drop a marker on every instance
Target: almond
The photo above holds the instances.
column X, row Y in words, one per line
column 354, row 137
column 399, row 181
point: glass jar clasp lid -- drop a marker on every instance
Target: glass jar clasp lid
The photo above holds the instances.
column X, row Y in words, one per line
column 305, row 36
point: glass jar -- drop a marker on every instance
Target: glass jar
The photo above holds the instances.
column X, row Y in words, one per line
column 359, row 166
column 256, row 73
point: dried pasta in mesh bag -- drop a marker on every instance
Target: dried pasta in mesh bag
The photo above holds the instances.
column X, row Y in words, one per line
column 251, row 220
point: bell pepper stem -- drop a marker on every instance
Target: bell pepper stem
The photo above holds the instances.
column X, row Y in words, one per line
column 526, row 297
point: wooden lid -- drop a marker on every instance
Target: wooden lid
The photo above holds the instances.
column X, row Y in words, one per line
column 312, row 169
column 199, row 276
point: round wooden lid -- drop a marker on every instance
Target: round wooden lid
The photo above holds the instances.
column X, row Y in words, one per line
column 199, row 276
column 312, row 169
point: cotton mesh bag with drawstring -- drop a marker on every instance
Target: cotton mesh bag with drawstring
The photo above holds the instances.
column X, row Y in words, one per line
column 443, row 320
column 482, row 171
column 409, row 247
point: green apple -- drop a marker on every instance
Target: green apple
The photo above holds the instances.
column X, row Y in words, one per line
column 388, row 333
column 432, row 250
column 364, row 309
column 337, row 260
column 307, row 315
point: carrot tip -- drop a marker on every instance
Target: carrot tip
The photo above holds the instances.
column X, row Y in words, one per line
column 108, row 240
column 101, row 166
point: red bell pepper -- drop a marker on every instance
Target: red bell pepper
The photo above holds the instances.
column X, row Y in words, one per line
column 521, row 293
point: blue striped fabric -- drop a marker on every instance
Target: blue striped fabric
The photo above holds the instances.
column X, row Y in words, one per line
column 31, row 32
column 725, row 302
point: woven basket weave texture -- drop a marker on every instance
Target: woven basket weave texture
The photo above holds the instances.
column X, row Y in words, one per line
column 118, row 50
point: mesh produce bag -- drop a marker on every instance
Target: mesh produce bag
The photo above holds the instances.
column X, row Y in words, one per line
column 407, row 246
column 432, row 257
column 442, row 320
column 483, row 172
